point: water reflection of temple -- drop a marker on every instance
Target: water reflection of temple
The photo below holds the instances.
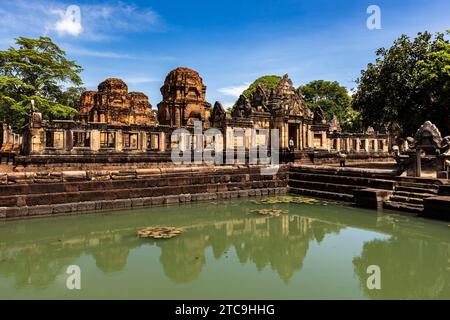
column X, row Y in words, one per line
column 280, row 243
column 413, row 262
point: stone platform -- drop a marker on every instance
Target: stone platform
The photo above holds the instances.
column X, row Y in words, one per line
column 42, row 194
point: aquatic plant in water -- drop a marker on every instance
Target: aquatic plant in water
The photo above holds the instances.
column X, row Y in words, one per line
column 159, row 232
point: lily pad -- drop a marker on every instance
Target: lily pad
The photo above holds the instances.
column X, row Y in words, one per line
column 270, row 212
column 159, row 232
column 287, row 199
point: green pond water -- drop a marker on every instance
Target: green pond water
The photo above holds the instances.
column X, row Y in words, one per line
column 314, row 251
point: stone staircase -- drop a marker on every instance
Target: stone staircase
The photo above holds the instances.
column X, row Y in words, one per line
column 409, row 193
column 336, row 183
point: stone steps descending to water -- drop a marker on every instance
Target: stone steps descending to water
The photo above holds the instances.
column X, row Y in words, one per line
column 373, row 188
column 409, row 200
column 321, row 194
column 323, row 186
column 416, row 190
column 342, row 180
column 402, row 206
column 125, row 190
column 336, row 183
column 414, row 194
column 409, row 194
column 417, row 185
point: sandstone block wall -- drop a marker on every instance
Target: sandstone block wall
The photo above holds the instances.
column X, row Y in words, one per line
column 70, row 192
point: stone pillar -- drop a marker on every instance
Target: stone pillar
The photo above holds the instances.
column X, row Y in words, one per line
column 162, row 141
column 418, row 164
column 376, row 145
column 325, row 143
column 366, row 145
column 95, row 140
column 304, row 135
column 37, row 137
column 119, row 141
column 385, row 145
column 143, row 138
column 348, row 144
column 285, row 135
column 69, row 140
column 310, row 139
column 358, row 144
column 5, row 133
column 177, row 117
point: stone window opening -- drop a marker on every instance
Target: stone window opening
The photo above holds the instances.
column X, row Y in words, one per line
column 49, row 143
column 372, row 145
column 81, row 139
column 107, row 139
column 130, row 140
column 54, row 139
column 318, row 140
column 153, row 141
column 354, row 144
column 362, row 145
column 380, row 145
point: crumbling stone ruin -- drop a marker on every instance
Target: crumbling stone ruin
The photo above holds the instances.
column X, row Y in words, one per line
column 113, row 104
column 183, row 101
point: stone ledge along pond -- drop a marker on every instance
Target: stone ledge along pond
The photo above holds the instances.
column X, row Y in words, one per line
column 314, row 250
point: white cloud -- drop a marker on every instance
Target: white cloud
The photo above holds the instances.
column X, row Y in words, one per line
column 233, row 91
column 95, row 22
column 69, row 21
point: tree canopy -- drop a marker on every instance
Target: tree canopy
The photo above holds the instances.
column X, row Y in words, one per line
column 333, row 99
column 270, row 82
column 407, row 84
column 37, row 70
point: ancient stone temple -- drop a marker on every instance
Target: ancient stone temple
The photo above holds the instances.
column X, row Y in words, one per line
column 183, row 99
column 113, row 104
column 117, row 126
column 280, row 108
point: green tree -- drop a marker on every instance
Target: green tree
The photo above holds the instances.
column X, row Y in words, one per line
column 36, row 70
column 71, row 97
column 334, row 100
column 270, row 82
column 407, row 84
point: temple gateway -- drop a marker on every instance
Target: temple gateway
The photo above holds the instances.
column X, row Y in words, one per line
column 116, row 126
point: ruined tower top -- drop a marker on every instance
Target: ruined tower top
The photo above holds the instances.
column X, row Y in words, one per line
column 113, row 85
column 183, row 99
column 183, row 83
column 113, row 104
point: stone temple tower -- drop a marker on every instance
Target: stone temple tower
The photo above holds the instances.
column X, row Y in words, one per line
column 183, row 99
column 113, row 104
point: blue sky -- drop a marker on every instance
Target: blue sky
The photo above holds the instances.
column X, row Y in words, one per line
column 230, row 43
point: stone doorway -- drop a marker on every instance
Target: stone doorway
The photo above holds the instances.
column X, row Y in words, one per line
column 293, row 133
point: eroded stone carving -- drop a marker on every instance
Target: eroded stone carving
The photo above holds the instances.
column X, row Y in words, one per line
column 427, row 136
column 183, row 99
column 283, row 100
column 218, row 115
column 113, row 104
